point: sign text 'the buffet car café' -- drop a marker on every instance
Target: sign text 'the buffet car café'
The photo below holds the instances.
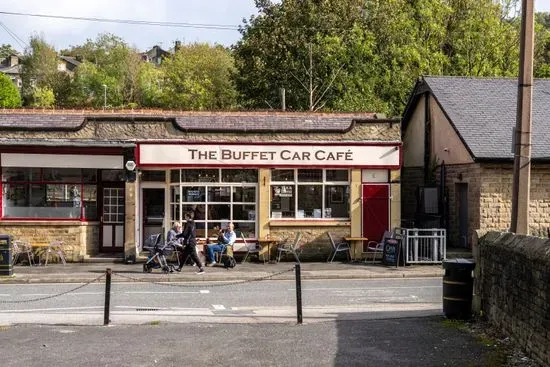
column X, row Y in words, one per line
column 269, row 155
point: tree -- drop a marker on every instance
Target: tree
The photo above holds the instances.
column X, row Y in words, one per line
column 107, row 61
column 40, row 70
column 43, row 97
column 6, row 50
column 198, row 77
column 369, row 52
column 9, row 95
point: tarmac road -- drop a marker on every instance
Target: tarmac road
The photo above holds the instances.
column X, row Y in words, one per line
column 220, row 302
column 425, row 342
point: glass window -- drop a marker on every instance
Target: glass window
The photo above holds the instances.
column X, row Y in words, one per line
column 240, row 175
column 337, row 175
column 282, row 201
column 310, row 196
column 49, row 193
column 281, row 175
column 112, row 175
column 200, row 175
column 215, row 203
column 310, row 175
column 153, row 176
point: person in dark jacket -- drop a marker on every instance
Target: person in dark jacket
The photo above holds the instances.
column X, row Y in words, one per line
column 190, row 243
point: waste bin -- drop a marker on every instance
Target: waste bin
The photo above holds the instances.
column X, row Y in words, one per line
column 6, row 260
column 458, row 286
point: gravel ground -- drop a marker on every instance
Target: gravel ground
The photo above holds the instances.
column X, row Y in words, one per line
column 506, row 352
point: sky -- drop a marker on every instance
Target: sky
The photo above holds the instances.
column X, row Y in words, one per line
column 63, row 33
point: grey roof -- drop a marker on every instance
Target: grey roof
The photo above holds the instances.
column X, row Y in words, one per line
column 483, row 112
column 191, row 121
column 70, row 60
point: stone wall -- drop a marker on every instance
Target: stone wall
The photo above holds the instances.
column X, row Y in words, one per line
column 315, row 242
column 82, row 238
column 513, row 283
column 496, row 199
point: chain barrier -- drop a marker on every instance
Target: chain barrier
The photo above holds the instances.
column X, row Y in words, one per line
column 202, row 285
column 55, row 295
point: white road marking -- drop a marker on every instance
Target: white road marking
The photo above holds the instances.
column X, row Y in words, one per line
column 204, row 291
column 145, row 292
column 218, row 307
column 53, row 309
column 364, row 289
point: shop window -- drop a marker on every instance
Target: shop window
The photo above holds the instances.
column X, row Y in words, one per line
column 314, row 194
column 153, row 176
column 216, row 197
column 49, row 193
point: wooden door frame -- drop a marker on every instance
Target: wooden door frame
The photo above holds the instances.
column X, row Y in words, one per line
column 114, row 185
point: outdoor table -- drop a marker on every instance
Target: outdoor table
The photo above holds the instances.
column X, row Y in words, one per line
column 268, row 241
column 354, row 242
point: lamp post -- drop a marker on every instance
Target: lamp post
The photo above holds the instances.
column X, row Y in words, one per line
column 104, row 96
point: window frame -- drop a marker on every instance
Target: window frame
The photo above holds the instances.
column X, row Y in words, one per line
column 296, row 183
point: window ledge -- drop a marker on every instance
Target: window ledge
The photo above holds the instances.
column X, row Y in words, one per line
column 309, row 223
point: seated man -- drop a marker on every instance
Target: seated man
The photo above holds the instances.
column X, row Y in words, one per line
column 226, row 238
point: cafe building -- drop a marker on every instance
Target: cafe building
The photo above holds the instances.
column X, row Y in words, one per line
column 104, row 181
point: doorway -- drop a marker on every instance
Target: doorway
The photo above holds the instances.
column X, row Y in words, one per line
column 462, row 209
column 112, row 218
column 152, row 212
column 376, row 211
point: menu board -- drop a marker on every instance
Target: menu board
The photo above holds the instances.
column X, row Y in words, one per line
column 392, row 252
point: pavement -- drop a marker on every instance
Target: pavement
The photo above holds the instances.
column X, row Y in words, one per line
column 86, row 272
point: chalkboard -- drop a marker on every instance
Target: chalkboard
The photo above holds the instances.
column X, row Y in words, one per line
column 392, row 252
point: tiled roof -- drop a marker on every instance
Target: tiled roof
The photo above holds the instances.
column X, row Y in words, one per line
column 188, row 121
column 483, row 112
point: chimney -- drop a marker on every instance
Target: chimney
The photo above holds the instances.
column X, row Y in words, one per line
column 177, row 46
column 14, row 60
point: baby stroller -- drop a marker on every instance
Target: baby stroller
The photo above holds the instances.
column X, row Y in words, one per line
column 157, row 254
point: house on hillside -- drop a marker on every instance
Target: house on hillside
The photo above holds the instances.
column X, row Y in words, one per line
column 155, row 55
column 11, row 66
column 458, row 160
column 68, row 64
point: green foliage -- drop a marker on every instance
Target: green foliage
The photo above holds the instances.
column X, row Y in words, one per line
column 43, row 97
column 9, row 95
column 6, row 50
column 365, row 55
column 198, row 77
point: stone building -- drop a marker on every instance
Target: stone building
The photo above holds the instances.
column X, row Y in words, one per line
column 458, row 160
column 104, row 181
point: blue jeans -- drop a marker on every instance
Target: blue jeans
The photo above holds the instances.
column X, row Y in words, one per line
column 218, row 247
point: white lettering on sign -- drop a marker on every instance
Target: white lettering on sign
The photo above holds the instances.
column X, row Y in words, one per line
column 387, row 156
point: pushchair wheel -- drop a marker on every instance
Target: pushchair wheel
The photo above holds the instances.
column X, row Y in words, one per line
column 145, row 268
column 165, row 269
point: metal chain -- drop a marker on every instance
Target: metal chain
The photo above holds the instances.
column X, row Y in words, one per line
column 202, row 285
column 56, row 295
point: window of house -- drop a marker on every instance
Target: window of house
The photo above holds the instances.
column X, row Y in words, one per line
column 216, row 197
column 49, row 193
column 309, row 193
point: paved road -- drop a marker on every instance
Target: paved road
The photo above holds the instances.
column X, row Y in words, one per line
column 406, row 342
column 265, row 301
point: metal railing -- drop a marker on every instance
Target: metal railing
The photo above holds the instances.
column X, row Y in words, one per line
column 425, row 246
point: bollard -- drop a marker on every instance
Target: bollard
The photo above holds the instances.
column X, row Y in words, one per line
column 298, row 294
column 107, row 296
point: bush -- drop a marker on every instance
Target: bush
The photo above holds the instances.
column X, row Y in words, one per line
column 43, row 97
column 9, row 95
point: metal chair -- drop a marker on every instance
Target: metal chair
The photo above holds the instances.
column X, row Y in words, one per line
column 338, row 247
column 293, row 248
column 378, row 247
column 56, row 247
column 22, row 248
column 250, row 250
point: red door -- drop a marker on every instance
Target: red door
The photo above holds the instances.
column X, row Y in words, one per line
column 376, row 211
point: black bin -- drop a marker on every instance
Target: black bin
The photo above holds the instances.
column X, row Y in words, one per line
column 6, row 263
column 458, row 286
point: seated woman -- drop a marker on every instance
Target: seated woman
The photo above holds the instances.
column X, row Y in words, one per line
column 226, row 238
